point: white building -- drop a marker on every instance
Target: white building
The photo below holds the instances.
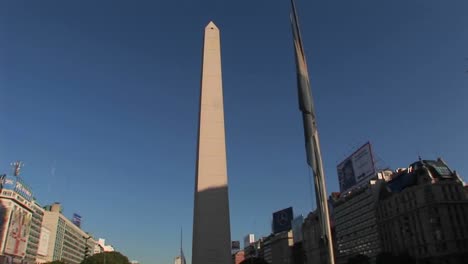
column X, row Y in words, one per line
column 16, row 211
column 34, row 233
column 66, row 241
column 180, row 260
column 249, row 240
column 104, row 247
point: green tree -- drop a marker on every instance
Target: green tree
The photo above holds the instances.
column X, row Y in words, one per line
column 359, row 259
column 106, row 258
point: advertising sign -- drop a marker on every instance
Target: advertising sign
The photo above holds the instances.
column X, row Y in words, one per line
column 357, row 169
column 235, row 245
column 18, row 232
column 297, row 228
column 43, row 242
column 76, row 220
column 282, row 220
column 8, row 182
column 5, row 214
column 16, row 184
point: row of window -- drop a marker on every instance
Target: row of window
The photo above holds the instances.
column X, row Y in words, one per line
column 361, row 234
column 352, row 222
column 452, row 192
column 357, row 225
column 352, row 205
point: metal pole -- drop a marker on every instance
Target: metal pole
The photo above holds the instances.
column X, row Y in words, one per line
column 314, row 155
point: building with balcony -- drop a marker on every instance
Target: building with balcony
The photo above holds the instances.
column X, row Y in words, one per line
column 16, row 214
column 67, row 242
column 34, row 233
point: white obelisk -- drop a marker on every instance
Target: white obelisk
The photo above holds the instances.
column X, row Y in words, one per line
column 211, row 224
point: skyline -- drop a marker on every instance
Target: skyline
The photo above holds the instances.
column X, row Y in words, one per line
column 110, row 113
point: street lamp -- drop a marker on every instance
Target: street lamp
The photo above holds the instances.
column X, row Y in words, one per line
column 86, row 248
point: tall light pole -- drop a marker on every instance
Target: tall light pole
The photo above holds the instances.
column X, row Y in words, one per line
column 312, row 143
column 86, row 248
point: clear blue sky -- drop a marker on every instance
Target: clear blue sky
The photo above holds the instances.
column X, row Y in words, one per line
column 100, row 100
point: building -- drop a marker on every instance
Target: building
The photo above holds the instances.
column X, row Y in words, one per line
column 103, row 247
column 264, row 249
column 67, row 242
column 249, row 240
column 355, row 218
column 179, row 260
column 297, row 250
column 253, row 250
column 281, row 248
column 97, row 248
column 314, row 249
column 425, row 213
column 43, row 245
column 35, row 233
column 277, row 248
column 16, row 213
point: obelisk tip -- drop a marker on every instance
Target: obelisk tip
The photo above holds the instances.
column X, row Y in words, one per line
column 211, row 25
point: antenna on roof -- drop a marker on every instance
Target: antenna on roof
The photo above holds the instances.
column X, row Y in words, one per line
column 181, row 242
column 17, row 165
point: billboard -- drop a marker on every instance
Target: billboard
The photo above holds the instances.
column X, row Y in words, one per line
column 282, row 220
column 357, row 169
column 43, row 242
column 5, row 214
column 297, row 228
column 76, row 220
column 235, row 245
column 16, row 184
column 18, row 232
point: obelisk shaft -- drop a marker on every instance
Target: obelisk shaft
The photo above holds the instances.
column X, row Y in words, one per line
column 211, row 224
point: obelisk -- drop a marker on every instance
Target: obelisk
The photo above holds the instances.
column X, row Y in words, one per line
column 211, row 225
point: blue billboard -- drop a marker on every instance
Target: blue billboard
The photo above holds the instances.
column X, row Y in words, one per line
column 16, row 184
column 76, row 220
column 282, row 220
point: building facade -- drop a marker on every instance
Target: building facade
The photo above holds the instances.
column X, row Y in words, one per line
column 179, row 260
column 356, row 230
column 67, row 242
column 43, row 245
column 35, row 233
column 103, row 247
column 280, row 248
column 314, row 249
column 425, row 214
column 265, row 250
column 253, row 250
column 16, row 213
